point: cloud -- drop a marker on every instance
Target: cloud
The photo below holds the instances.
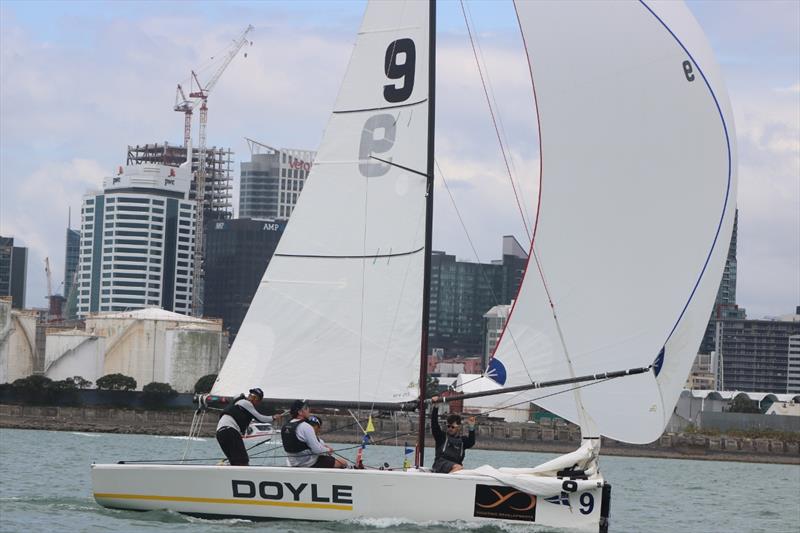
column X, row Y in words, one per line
column 77, row 86
column 38, row 217
column 768, row 132
column 794, row 89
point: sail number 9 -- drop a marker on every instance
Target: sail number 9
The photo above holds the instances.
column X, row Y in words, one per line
column 378, row 133
column 400, row 71
column 587, row 503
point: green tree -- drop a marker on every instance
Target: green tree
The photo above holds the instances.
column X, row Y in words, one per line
column 204, row 384
column 431, row 386
column 155, row 394
column 33, row 389
column 116, row 382
column 63, row 385
column 80, row 382
column 743, row 404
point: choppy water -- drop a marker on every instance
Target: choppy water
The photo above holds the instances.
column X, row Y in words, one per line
column 45, row 486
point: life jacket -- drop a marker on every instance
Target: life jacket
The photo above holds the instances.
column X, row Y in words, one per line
column 452, row 449
column 289, row 437
column 241, row 415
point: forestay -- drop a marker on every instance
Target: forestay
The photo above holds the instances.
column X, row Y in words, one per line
column 638, row 191
column 338, row 314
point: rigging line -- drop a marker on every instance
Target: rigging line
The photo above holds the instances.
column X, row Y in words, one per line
column 481, row 270
column 451, row 387
column 494, row 122
column 499, row 114
column 532, row 400
column 394, row 319
column 363, row 291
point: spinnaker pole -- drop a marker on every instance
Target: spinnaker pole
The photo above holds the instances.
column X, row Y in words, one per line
column 426, row 285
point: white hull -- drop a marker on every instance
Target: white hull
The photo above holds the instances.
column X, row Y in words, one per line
column 335, row 495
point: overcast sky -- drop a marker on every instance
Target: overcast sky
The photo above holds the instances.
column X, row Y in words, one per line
column 79, row 81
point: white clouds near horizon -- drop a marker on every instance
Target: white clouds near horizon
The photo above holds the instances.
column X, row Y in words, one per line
column 74, row 94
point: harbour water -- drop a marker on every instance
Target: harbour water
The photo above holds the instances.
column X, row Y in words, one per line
column 45, row 486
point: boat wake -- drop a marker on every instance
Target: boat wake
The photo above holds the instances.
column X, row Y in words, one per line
column 180, row 437
column 436, row 526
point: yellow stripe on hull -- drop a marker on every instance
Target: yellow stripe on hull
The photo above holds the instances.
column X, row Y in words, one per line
column 111, row 496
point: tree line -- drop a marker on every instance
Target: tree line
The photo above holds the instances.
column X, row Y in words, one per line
column 42, row 390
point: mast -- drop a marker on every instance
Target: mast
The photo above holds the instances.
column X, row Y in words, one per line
column 426, row 285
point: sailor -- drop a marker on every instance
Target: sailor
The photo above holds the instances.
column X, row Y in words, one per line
column 451, row 446
column 233, row 423
column 300, row 442
column 316, row 423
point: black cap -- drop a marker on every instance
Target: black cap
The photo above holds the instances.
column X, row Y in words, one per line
column 257, row 392
column 298, row 406
column 314, row 420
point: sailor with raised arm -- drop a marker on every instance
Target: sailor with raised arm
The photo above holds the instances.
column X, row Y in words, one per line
column 233, row 423
column 451, row 446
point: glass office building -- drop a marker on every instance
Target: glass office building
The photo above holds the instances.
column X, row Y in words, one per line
column 137, row 242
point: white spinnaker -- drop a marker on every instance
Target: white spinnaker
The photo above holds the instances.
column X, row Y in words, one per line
column 637, row 202
column 338, row 314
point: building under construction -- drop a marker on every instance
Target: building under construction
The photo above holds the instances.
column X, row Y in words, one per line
column 218, row 200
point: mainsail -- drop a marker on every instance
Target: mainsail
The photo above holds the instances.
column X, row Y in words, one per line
column 638, row 191
column 338, row 314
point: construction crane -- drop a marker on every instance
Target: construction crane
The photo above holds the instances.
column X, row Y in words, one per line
column 186, row 106
column 49, row 279
column 53, row 301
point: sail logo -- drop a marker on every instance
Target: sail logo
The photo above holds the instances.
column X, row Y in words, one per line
column 289, row 492
column 503, row 502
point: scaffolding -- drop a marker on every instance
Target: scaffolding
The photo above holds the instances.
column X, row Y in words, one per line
column 218, row 198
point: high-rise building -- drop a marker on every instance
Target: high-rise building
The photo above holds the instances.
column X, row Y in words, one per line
column 137, row 242
column 218, row 198
column 272, row 181
column 793, row 364
column 71, row 258
column 237, row 254
column 13, row 271
column 495, row 320
column 461, row 292
column 725, row 305
column 71, row 262
column 755, row 355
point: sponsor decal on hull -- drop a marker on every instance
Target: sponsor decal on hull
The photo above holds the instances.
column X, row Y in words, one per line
column 505, row 503
column 311, row 493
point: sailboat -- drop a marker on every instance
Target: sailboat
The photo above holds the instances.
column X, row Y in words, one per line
column 636, row 203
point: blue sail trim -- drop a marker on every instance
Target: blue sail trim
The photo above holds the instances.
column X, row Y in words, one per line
column 496, row 371
column 659, row 362
column 660, row 359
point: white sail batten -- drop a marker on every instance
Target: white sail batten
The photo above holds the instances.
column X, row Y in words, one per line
column 337, row 314
column 638, row 193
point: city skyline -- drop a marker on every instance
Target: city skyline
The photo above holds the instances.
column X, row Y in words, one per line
column 81, row 83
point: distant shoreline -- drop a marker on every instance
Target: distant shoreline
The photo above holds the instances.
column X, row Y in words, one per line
column 176, row 423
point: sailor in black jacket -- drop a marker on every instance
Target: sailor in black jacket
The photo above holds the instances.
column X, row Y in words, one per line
column 451, row 446
column 233, row 423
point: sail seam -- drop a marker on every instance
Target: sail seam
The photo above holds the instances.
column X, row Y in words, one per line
column 371, row 256
column 382, row 108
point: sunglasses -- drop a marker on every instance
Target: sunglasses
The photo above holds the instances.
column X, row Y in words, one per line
column 453, row 426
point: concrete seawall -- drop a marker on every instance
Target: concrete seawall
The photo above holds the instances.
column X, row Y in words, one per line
column 547, row 438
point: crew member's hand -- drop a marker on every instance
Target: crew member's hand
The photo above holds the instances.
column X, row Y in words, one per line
column 330, row 450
